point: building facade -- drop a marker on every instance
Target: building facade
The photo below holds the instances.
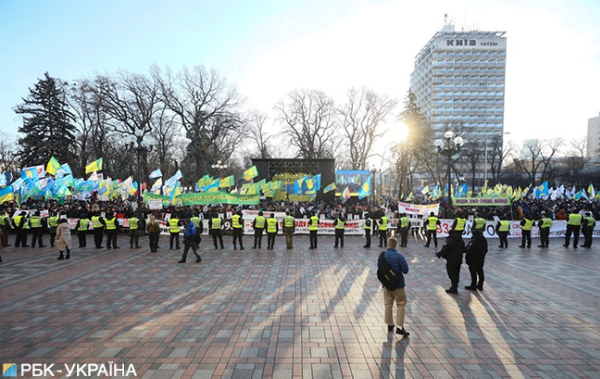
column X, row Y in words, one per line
column 593, row 138
column 458, row 81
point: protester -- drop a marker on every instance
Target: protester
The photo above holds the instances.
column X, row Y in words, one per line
column 153, row 229
column 189, row 241
column 63, row 239
column 398, row 296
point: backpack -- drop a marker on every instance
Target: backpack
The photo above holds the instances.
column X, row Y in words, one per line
column 386, row 274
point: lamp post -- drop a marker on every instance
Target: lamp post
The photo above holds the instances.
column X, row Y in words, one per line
column 373, row 172
column 140, row 148
column 220, row 167
column 448, row 147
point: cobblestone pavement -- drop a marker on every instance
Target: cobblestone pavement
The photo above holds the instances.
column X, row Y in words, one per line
column 301, row 313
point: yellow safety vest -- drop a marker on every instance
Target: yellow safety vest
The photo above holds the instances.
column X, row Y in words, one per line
column 271, row 225
column 235, row 221
column 83, row 224
column 546, row 222
column 96, row 222
column 591, row 222
column 216, row 223
column 370, row 224
column 289, row 222
column 314, row 223
column 340, row 224
column 432, row 224
column 404, row 222
column 504, row 226
column 133, row 223
column 196, row 221
column 528, row 225
column 460, row 224
column 111, row 223
column 3, row 220
column 575, row 219
column 174, row 225
column 260, row 222
column 36, row 222
column 384, row 222
column 18, row 221
column 53, row 221
column 479, row 223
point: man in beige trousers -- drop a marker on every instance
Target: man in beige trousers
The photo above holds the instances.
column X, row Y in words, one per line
column 398, row 296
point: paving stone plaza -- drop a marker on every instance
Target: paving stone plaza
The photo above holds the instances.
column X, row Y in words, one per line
column 301, row 313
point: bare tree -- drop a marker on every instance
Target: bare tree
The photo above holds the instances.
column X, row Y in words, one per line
column 498, row 153
column 361, row 119
column 537, row 159
column 164, row 131
column 208, row 110
column 8, row 153
column 309, row 117
column 473, row 155
column 258, row 133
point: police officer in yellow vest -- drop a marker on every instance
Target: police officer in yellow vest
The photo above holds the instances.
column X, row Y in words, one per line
column 112, row 230
column 272, row 229
column 544, row 225
column 573, row 227
column 82, row 227
column 237, row 223
column 6, row 227
column 134, row 231
column 215, row 224
column 21, row 225
column 37, row 224
column 289, row 226
column 403, row 229
column 502, row 229
column 478, row 224
column 98, row 225
column 52, row 224
column 383, row 229
column 431, row 224
column 259, row 226
column 458, row 226
column 174, row 230
column 368, row 227
column 340, row 227
column 526, row 226
column 589, row 222
column 313, row 227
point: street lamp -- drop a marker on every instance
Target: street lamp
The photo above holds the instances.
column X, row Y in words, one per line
column 140, row 148
column 448, row 147
column 373, row 172
column 219, row 166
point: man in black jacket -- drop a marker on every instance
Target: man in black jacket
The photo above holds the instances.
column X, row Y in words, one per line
column 476, row 251
column 452, row 252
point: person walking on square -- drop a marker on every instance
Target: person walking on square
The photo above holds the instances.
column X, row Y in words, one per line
column 431, row 224
column 37, row 224
column 313, row 227
column 237, row 223
column 404, row 228
column 398, row 296
column 134, row 231
column 153, row 229
column 259, row 226
column 82, row 228
column 112, row 230
column 6, row 227
column 289, row 226
column 98, row 225
column 340, row 228
column 383, row 230
column 189, row 241
column 368, row 228
column 452, row 252
column 215, row 224
column 573, row 227
column 174, row 230
column 63, row 239
column 589, row 222
column 199, row 224
column 272, row 229
column 544, row 225
column 475, row 257
column 502, row 229
column 526, row 226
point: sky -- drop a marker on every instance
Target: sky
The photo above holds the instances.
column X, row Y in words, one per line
column 268, row 48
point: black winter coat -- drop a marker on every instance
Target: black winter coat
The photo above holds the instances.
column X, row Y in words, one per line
column 476, row 250
column 453, row 250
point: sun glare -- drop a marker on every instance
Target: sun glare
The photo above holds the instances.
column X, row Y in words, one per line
column 401, row 132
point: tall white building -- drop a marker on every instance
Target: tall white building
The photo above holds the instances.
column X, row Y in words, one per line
column 458, row 81
column 593, row 138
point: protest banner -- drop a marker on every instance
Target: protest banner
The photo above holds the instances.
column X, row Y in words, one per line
column 418, row 209
column 481, row 201
column 204, row 198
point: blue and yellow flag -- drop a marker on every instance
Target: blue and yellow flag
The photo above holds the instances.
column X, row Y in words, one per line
column 52, row 166
column 329, row 188
column 94, row 166
column 365, row 189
